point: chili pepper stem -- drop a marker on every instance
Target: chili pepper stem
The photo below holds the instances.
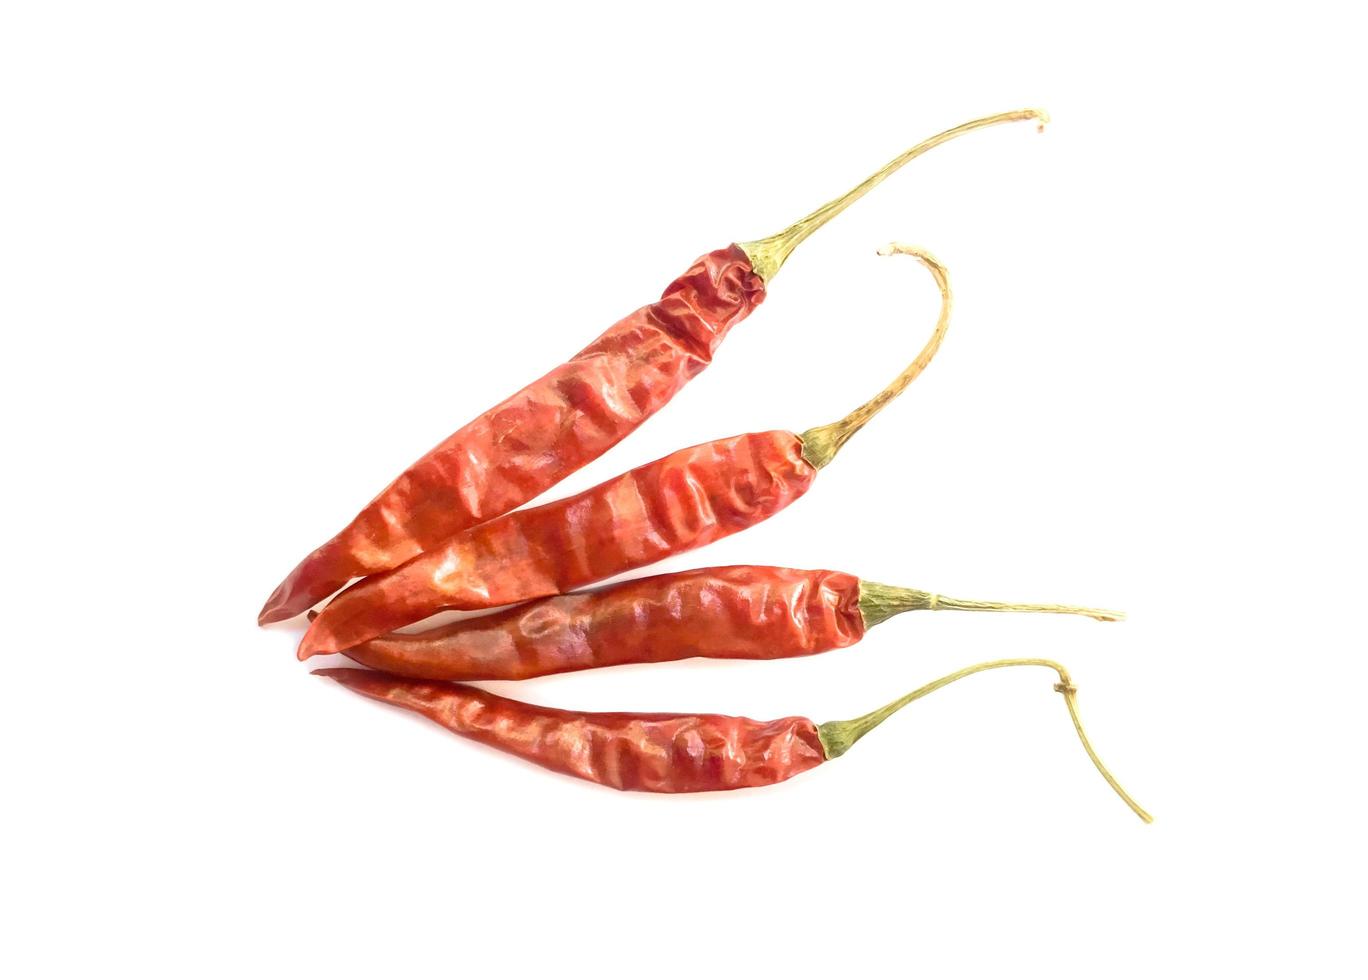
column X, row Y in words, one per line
column 838, row 736
column 820, row 445
column 767, row 255
column 879, row 602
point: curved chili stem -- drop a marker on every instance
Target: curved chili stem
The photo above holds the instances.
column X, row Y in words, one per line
column 879, row 602
column 768, row 254
column 838, row 736
column 820, row 445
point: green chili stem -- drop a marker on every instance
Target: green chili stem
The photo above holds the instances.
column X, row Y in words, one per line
column 768, row 254
column 820, row 445
column 838, row 736
column 879, row 602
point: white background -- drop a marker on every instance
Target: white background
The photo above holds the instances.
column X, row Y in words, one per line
column 257, row 257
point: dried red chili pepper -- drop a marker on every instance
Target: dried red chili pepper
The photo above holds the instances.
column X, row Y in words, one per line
column 661, row 753
column 739, row 612
column 571, row 416
column 683, row 501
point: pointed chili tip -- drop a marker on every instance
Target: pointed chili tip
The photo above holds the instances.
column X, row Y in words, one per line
column 274, row 611
column 371, row 683
column 307, row 648
column 352, row 677
column 316, row 640
column 286, row 602
column 1042, row 119
column 305, row 652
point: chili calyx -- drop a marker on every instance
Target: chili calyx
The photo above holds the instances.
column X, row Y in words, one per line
column 879, row 602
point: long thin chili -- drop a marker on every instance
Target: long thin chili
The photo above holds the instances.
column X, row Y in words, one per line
column 682, row 501
column 737, row 612
column 662, row 753
column 572, row 415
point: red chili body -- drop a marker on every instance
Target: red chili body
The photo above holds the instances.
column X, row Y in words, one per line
column 743, row 612
column 657, row 753
column 533, row 440
column 682, row 501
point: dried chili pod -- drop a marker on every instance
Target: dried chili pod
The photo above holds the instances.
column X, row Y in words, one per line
column 737, row 612
column 531, row 441
column 662, row 753
column 682, row 501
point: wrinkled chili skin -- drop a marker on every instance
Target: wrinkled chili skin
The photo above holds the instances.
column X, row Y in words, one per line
column 743, row 612
column 682, row 501
column 533, row 440
column 654, row 753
